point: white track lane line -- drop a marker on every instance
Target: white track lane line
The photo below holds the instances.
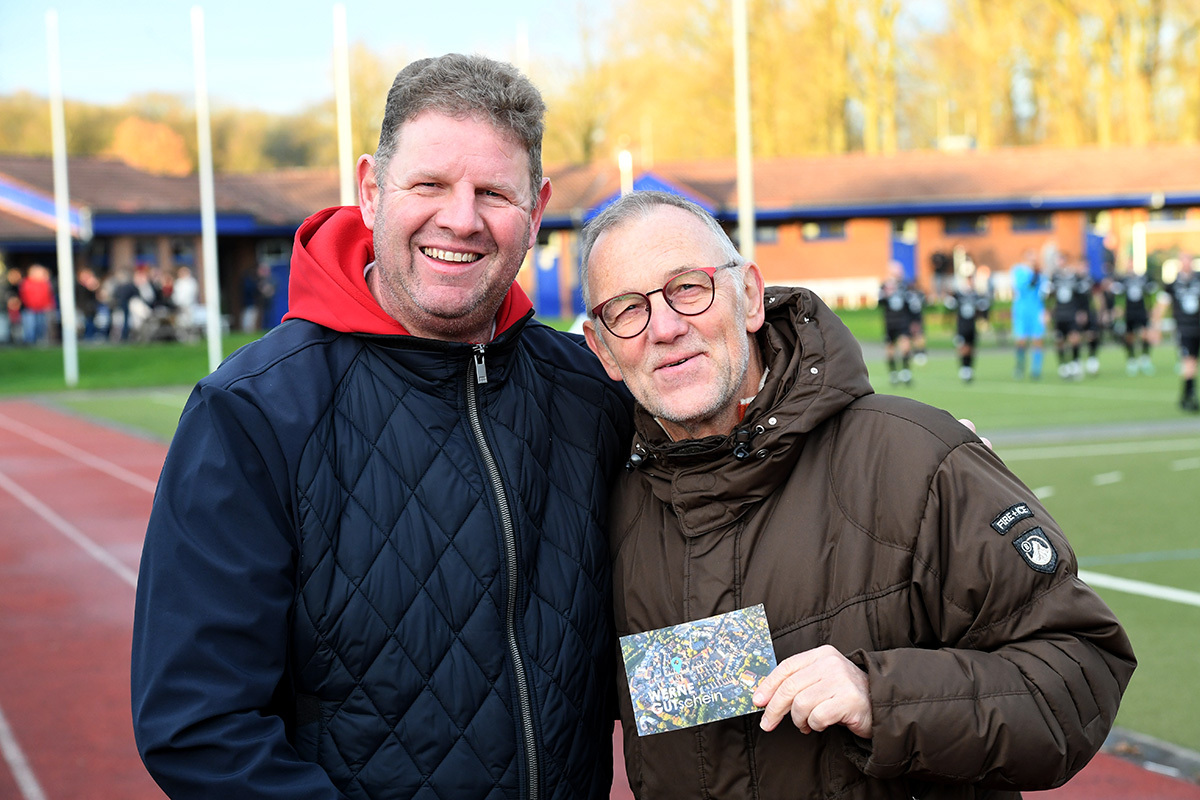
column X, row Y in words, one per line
column 82, row 456
column 70, row 531
column 23, row 774
column 26, row 781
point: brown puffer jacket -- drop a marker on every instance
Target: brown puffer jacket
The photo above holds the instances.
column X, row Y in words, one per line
column 877, row 525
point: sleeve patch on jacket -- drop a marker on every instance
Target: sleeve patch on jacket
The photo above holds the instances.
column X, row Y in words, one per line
column 1037, row 550
column 1011, row 516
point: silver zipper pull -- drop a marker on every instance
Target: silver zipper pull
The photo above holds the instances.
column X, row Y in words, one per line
column 480, row 367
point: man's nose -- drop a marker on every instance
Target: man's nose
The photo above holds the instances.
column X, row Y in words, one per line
column 459, row 211
column 666, row 324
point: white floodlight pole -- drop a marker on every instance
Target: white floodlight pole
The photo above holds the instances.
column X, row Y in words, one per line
column 521, row 48
column 341, row 79
column 625, row 165
column 1140, row 262
column 745, row 149
column 62, row 208
column 208, row 212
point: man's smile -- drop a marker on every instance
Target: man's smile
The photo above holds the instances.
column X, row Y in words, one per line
column 450, row 255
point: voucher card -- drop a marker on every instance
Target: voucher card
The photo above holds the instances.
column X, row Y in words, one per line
column 697, row 672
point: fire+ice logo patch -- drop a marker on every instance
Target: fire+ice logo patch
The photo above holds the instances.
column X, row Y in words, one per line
column 1010, row 516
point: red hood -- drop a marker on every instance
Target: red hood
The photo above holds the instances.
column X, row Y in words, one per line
column 327, row 284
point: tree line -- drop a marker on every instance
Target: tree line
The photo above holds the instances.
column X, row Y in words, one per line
column 827, row 77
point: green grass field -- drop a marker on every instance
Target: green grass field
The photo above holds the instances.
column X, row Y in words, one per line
column 1112, row 457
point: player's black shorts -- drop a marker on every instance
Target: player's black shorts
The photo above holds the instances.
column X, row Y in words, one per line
column 1189, row 344
column 966, row 334
column 1064, row 328
column 893, row 332
column 1136, row 322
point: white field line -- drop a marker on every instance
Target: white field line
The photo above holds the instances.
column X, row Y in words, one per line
column 1042, row 492
column 26, row 781
column 1106, row 478
column 1185, row 464
column 1101, row 449
column 70, row 531
column 76, row 454
column 1149, row 557
column 1140, row 588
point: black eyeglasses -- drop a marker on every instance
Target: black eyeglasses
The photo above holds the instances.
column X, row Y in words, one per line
column 688, row 293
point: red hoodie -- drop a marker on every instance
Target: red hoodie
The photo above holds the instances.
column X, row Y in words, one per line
column 327, row 285
column 36, row 295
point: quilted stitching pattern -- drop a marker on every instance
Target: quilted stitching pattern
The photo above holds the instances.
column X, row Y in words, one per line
column 399, row 626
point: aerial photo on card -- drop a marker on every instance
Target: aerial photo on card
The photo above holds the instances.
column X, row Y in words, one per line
column 697, row 672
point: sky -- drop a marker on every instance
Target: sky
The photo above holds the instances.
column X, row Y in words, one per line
column 261, row 54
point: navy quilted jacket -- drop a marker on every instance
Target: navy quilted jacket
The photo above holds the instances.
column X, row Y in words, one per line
column 370, row 574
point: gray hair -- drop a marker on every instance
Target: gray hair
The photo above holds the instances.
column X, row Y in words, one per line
column 463, row 86
column 636, row 205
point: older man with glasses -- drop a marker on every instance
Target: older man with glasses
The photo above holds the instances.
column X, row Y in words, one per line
column 934, row 636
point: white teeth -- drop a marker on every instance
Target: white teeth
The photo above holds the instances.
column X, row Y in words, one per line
column 446, row 255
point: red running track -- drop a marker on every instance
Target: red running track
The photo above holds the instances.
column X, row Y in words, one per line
column 74, row 500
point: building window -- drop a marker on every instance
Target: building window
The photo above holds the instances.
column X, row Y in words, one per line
column 98, row 255
column 274, row 251
column 1032, row 221
column 183, row 252
column 825, row 229
column 145, row 253
column 766, row 234
column 1168, row 214
column 964, row 224
column 904, row 229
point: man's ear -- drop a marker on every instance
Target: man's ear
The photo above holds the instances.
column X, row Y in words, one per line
column 539, row 208
column 368, row 190
column 753, row 287
column 596, row 344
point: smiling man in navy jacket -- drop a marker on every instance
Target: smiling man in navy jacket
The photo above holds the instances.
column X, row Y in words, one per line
column 375, row 566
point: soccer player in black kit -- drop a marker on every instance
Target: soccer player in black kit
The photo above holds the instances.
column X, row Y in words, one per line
column 969, row 306
column 1183, row 295
column 897, row 322
column 1135, row 288
column 1071, row 288
column 916, row 322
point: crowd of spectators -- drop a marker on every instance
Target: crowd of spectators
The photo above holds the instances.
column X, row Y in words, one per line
column 143, row 304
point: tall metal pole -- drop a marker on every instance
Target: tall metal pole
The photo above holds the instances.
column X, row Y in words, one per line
column 62, row 208
column 1140, row 263
column 521, row 47
column 341, row 76
column 745, row 148
column 208, row 211
column 625, row 167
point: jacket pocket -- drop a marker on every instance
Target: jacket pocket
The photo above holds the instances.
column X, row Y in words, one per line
column 310, row 726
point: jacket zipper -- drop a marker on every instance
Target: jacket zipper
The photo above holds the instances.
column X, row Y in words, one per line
column 477, row 374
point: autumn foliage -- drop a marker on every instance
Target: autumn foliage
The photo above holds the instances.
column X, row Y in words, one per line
column 150, row 146
column 827, row 77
